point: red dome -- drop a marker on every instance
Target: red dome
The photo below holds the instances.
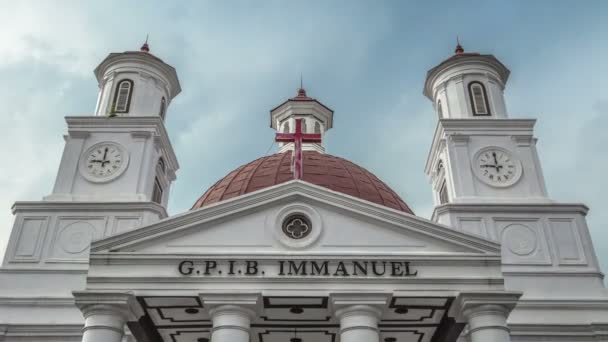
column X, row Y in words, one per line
column 320, row 169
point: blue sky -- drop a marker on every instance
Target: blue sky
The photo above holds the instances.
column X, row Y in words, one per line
column 367, row 60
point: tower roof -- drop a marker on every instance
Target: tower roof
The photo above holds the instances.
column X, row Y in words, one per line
column 135, row 59
column 460, row 57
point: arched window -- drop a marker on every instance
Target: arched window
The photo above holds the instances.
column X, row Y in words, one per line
column 479, row 99
column 161, row 165
column 304, row 126
column 157, row 192
column 443, row 194
column 439, row 109
column 286, row 127
column 163, row 108
column 317, row 127
column 122, row 98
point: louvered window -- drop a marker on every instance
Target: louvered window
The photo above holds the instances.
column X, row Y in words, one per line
column 439, row 109
column 479, row 99
column 286, row 127
column 122, row 99
column 443, row 194
column 303, row 125
column 157, row 192
column 163, row 108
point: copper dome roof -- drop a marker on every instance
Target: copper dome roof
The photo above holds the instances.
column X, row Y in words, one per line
column 320, row 169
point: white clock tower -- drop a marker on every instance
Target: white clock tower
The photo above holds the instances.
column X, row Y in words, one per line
column 116, row 170
column 487, row 181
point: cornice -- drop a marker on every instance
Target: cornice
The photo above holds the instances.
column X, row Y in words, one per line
column 136, row 124
column 564, row 304
column 38, row 301
column 294, row 190
column 488, row 125
column 129, row 258
column 45, row 206
column 507, row 208
column 28, row 331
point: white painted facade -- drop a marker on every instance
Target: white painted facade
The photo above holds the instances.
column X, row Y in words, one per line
column 498, row 261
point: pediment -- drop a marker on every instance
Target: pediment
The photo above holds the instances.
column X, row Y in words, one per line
column 252, row 225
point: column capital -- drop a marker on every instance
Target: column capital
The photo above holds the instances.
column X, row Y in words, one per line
column 246, row 303
column 373, row 303
column 469, row 304
column 122, row 304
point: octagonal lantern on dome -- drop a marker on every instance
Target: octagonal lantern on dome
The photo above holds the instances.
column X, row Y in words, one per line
column 316, row 118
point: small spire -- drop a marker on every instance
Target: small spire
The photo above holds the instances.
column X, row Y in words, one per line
column 145, row 47
column 301, row 90
column 459, row 50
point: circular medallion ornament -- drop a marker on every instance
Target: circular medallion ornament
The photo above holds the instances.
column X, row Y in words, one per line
column 496, row 166
column 519, row 239
column 297, row 226
column 104, row 162
column 76, row 237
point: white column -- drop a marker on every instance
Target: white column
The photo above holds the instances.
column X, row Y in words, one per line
column 231, row 314
column 359, row 323
column 103, row 323
column 485, row 313
column 488, row 323
column 231, row 323
column 106, row 314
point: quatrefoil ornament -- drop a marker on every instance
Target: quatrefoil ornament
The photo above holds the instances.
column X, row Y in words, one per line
column 297, row 227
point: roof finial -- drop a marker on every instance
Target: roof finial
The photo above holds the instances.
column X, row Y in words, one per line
column 459, row 50
column 145, row 47
column 301, row 91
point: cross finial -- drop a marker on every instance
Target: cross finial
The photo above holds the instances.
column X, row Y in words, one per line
column 301, row 83
column 145, row 47
column 298, row 137
column 459, row 50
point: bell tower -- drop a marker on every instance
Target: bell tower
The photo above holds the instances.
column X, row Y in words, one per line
column 487, row 180
column 116, row 170
column 478, row 152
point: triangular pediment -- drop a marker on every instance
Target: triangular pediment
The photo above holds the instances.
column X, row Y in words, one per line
column 252, row 224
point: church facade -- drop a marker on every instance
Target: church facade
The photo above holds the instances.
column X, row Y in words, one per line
column 300, row 246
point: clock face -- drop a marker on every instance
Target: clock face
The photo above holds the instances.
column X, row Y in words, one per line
column 497, row 167
column 103, row 162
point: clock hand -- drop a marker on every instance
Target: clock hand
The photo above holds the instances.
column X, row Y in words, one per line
column 487, row 165
column 496, row 162
column 96, row 161
column 105, row 153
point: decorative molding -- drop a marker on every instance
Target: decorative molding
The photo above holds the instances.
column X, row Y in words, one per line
column 508, row 208
column 468, row 302
column 61, row 206
column 459, row 139
column 144, row 135
column 122, row 303
column 78, row 134
column 523, row 140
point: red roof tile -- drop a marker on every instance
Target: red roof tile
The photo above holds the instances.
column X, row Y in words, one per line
column 320, row 169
